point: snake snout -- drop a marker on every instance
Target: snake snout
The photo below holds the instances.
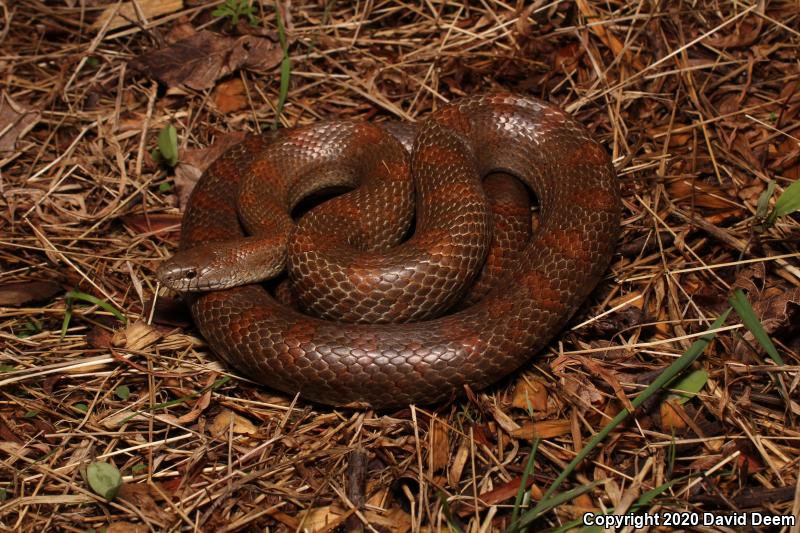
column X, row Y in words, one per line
column 176, row 277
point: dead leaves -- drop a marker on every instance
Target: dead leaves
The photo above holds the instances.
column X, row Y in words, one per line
column 700, row 194
column 544, row 429
column 26, row 292
column 199, row 60
column 15, row 121
column 165, row 225
column 230, row 95
column 530, row 393
column 610, row 40
column 149, row 500
column 439, row 451
column 136, row 336
column 127, row 13
column 745, row 33
column 227, row 421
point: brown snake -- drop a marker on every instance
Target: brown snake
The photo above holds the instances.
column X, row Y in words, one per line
column 349, row 266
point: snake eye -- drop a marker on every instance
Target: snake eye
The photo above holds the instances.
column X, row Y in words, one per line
column 191, row 274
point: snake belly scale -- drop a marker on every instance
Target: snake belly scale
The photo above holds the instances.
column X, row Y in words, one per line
column 335, row 358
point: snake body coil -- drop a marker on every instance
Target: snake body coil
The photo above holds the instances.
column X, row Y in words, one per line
column 349, row 267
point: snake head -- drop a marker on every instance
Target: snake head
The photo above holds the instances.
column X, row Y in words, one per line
column 222, row 265
column 196, row 269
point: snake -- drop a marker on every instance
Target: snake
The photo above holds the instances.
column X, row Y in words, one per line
column 377, row 275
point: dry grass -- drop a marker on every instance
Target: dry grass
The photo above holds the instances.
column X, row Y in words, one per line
column 698, row 102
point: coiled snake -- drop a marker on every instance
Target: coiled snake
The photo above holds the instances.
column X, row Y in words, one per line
column 348, row 262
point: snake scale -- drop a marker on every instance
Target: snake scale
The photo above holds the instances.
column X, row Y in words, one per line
column 374, row 329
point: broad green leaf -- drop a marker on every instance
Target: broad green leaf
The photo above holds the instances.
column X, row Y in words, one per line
column 789, row 201
column 123, row 392
column 168, row 144
column 689, row 385
column 104, row 479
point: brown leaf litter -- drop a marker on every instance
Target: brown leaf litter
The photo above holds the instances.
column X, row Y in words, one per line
column 199, row 60
column 698, row 103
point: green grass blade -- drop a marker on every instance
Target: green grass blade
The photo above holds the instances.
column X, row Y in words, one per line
column 751, row 322
column 286, row 68
column 77, row 295
column 645, row 499
column 448, row 515
column 642, row 502
column 523, row 483
column 562, row 497
column 762, row 207
column 569, row 526
column 67, row 319
column 659, row 383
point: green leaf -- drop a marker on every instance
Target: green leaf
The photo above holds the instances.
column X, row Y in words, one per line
column 31, row 327
column 789, row 201
column 123, row 392
column 672, row 454
column 31, row 414
column 647, row 497
column 104, row 479
column 763, row 201
column 7, row 368
column 138, row 468
column 3, row 494
column 688, row 386
column 164, row 186
column 523, row 483
column 286, row 68
column 168, row 145
column 751, row 322
column 235, row 9
column 80, row 406
column 67, row 319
